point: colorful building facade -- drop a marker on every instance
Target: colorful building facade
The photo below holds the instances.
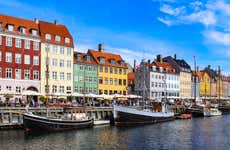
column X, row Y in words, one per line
column 112, row 72
column 85, row 74
column 20, row 49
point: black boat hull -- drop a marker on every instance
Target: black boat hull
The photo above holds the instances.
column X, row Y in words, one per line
column 34, row 123
column 128, row 119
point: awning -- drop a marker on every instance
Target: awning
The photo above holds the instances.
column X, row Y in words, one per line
column 30, row 93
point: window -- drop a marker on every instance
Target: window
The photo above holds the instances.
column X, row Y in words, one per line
column 9, row 88
column 48, row 37
column 124, row 72
column 111, row 81
column 102, row 60
column 106, row 80
column 8, row 73
column 0, row 40
column 61, row 63
column 18, row 43
column 67, row 40
column 18, row 74
column 78, row 56
column 68, row 76
column 69, row 51
column 115, row 81
column 101, row 68
column 0, row 72
column 120, row 82
column 54, row 62
column 22, row 30
column 27, row 59
column 18, row 89
column 122, row 63
column 68, row 88
column 8, row 57
column 112, row 61
column 10, row 28
column 36, row 45
column 69, row 63
column 57, row 38
column 55, row 49
column 54, row 89
column 8, row 41
column 62, row 50
column 100, row 80
column 27, row 44
column 111, row 70
column 36, row 75
column 115, row 70
column 124, row 82
column 34, row 32
column 61, row 89
column 106, row 69
column 54, row 75
column 26, row 74
column 47, row 47
column 36, row 60
column 62, row 76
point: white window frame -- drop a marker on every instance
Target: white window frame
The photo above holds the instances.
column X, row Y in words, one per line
column 8, row 41
column 26, row 59
column 18, row 58
column 8, row 73
column 8, row 57
column 62, row 76
column 62, row 50
column 48, row 36
column 36, row 75
column 26, row 74
column 36, row 45
column 57, row 38
column 68, row 63
column 62, row 63
column 54, row 62
column 36, row 60
column 18, row 73
column 18, row 43
column 67, row 40
column 10, row 28
column 27, row 44
column 69, row 52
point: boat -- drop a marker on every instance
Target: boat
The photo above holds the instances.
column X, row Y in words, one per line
column 212, row 112
column 125, row 116
column 101, row 122
column 73, row 118
column 184, row 116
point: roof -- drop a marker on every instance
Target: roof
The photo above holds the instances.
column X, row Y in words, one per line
column 131, row 76
column 83, row 58
column 108, row 56
column 163, row 65
column 53, row 30
column 17, row 22
column 180, row 62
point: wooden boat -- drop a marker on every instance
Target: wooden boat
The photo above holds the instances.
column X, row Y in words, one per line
column 73, row 119
column 184, row 116
column 125, row 116
column 212, row 112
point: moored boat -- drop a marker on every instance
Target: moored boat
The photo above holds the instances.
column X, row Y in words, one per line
column 212, row 112
column 184, row 116
column 69, row 121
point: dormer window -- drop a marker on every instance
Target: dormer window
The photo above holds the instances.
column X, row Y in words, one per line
column 67, row 40
column 57, row 38
column 78, row 56
column 88, row 58
column 0, row 26
column 122, row 63
column 48, row 37
column 154, row 68
column 34, row 32
column 102, row 60
column 112, row 61
column 22, row 30
column 10, row 28
column 161, row 69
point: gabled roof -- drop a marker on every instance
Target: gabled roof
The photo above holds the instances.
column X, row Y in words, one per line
column 108, row 56
column 83, row 58
column 53, row 30
column 18, row 22
column 181, row 63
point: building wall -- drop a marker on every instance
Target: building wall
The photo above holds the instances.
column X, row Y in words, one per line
column 58, row 82
column 225, row 89
column 111, row 88
column 173, row 85
column 213, row 89
column 157, row 85
column 85, row 73
column 185, row 84
column 205, row 86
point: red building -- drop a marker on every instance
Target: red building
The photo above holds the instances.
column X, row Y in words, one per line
column 20, row 46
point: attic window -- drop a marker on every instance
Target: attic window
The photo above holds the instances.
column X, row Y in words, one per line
column 34, row 32
column 78, row 57
column 10, row 28
column 57, row 38
column 102, row 60
column 22, row 30
column 67, row 40
column 48, row 37
column 88, row 58
column 112, row 61
column 122, row 63
column 154, row 68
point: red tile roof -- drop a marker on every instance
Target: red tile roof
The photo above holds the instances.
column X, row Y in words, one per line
column 17, row 22
column 53, row 30
column 83, row 58
column 108, row 56
column 131, row 76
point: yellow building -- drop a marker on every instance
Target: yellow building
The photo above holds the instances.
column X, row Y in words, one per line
column 205, row 84
column 57, row 44
column 112, row 72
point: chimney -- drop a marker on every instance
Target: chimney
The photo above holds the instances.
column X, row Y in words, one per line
column 56, row 22
column 159, row 58
column 175, row 56
column 149, row 61
column 101, row 47
column 36, row 20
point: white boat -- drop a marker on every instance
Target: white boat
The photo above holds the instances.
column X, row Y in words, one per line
column 212, row 112
column 100, row 122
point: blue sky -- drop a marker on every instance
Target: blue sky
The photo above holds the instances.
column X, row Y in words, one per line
column 140, row 29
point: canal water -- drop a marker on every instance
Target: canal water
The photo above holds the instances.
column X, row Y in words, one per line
column 197, row 134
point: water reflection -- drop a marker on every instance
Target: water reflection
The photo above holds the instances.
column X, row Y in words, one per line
column 198, row 133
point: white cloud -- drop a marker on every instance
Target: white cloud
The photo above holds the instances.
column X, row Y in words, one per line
column 221, row 38
column 165, row 21
column 167, row 9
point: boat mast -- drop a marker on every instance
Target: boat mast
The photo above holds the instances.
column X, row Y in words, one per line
column 84, row 87
column 195, row 80
column 219, row 83
column 47, row 77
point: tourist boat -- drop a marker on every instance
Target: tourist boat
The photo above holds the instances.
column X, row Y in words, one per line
column 73, row 118
column 212, row 112
column 125, row 116
column 184, row 116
